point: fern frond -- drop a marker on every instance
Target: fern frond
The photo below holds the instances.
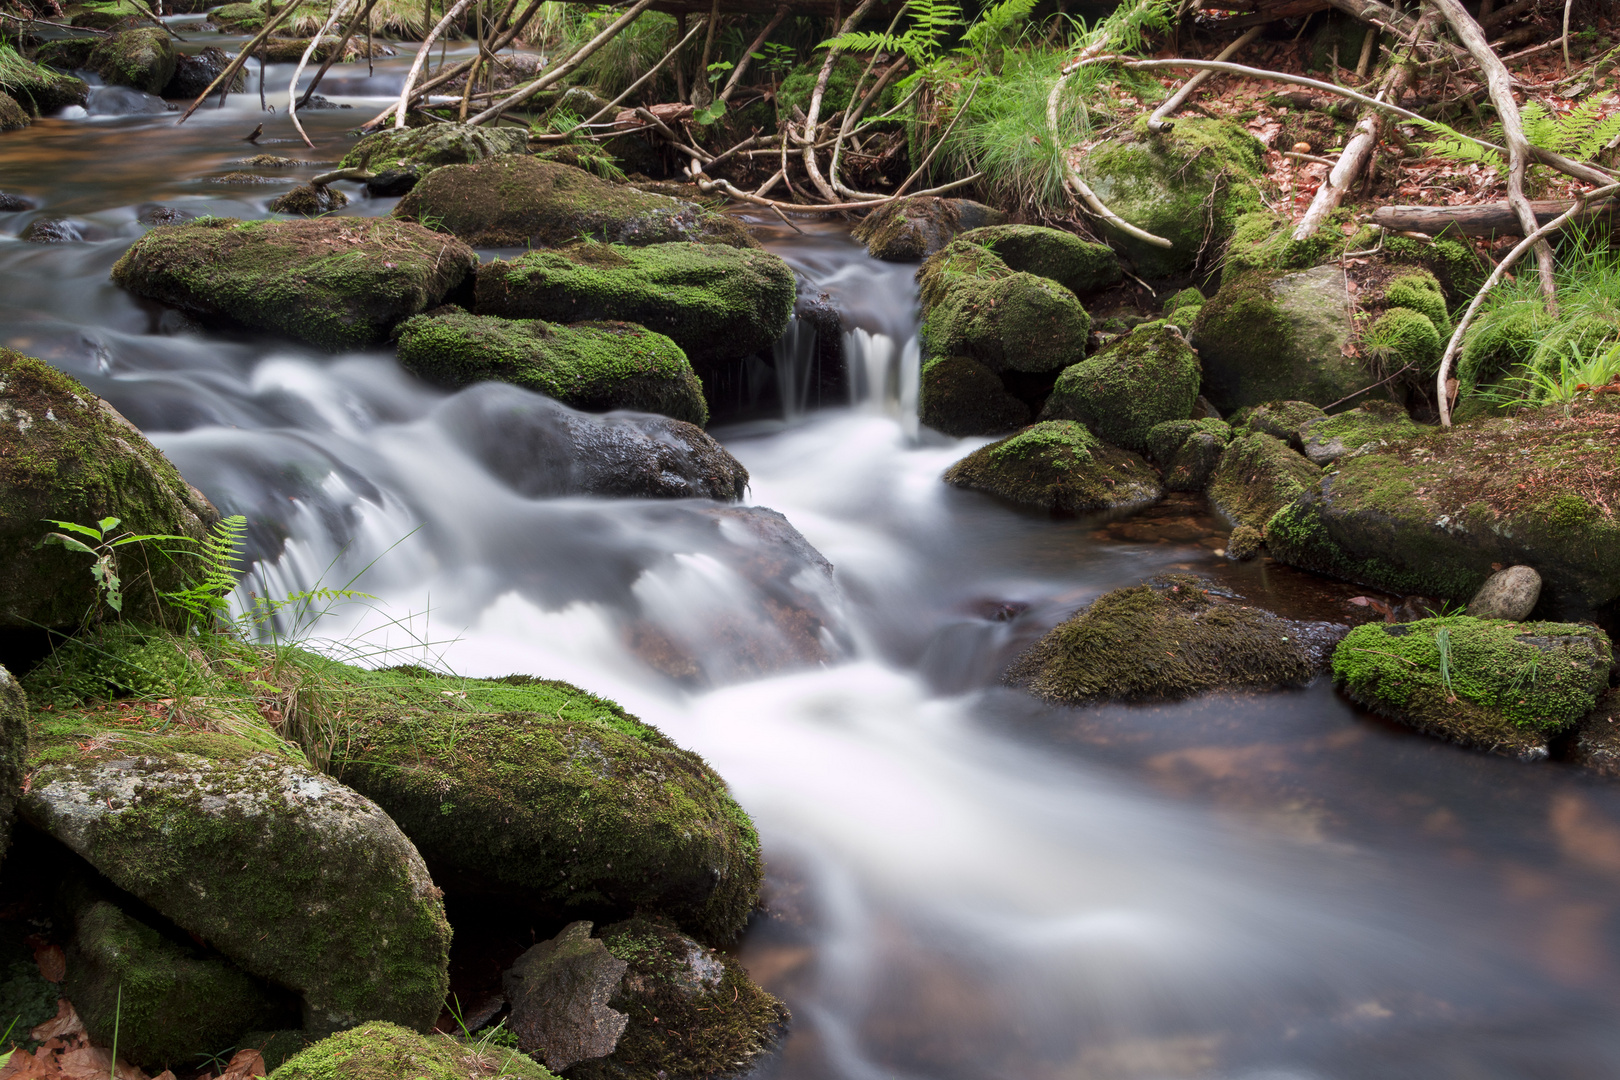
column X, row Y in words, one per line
column 218, row 555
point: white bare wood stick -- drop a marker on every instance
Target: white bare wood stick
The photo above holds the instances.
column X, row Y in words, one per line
column 1538, row 236
column 748, row 53
column 807, row 134
column 726, row 187
column 1071, row 176
column 564, row 69
column 421, row 58
column 303, row 61
column 1160, row 120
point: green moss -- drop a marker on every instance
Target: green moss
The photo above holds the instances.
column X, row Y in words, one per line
column 1264, row 241
column 1422, row 293
column 1377, row 423
column 1281, row 420
column 1257, row 476
column 1145, row 378
column 36, row 88
column 335, row 282
column 717, row 303
column 309, row 200
column 12, row 116
column 953, row 264
column 694, row 1013
column 1188, row 451
column 799, row 85
column 1402, row 338
column 1188, row 299
column 1016, row 321
column 142, row 58
column 423, row 149
column 1057, row 466
column 591, row 366
column 1489, row 683
column 1244, row 543
column 1080, row 266
column 917, row 227
column 959, row 396
column 238, row 17
column 381, row 1051
column 1496, row 345
column 1163, row 640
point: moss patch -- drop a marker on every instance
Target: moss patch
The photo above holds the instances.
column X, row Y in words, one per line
column 1057, row 466
column 142, row 58
column 914, row 228
column 1281, row 420
column 1002, row 319
column 717, row 303
column 1494, row 684
column 959, row 396
column 1259, row 475
column 1080, row 266
column 1188, row 451
column 36, row 88
column 1422, row 293
column 12, row 116
column 335, row 282
column 1163, row 640
column 591, row 366
column 1326, row 439
column 1136, row 382
column 1403, row 338
column 381, row 1051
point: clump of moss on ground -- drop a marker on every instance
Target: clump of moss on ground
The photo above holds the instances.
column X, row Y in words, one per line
column 1401, row 338
column 1166, row 639
column 381, row 1051
column 1420, row 292
column 1060, row 467
column 1494, row 684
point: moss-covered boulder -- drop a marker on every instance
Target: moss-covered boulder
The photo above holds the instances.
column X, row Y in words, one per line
column 1182, row 309
column 196, row 72
column 591, row 366
column 66, row 455
column 1013, row 321
column 521, row 201
column 1326, row 439
column 142, row 58
column 717, row 303
column 1430, row 515
column 1497, row 685
column 1403, row 339
column 406, row 155
column 13, row 754
column 693, row 1012
column 959, row 396
column 164, row 1000
column 1169, row 638
column 1148, row 377
column 37, row 88
column 1057, row 466
column 383, row 1051
column 309, row 200
column 1269, row 336
column 1081, row 266
column 910, row 230
column 1188, row 451
column 544, row 794
column 1258, row 476
column 1188, row 187
column 1282, row 420
column 339, row 283
column 12, row 115
column 205, row 815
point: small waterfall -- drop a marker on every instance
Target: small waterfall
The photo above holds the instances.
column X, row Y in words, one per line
column 885, row 374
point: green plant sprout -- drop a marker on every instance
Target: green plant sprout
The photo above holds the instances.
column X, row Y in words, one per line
column 103, row 551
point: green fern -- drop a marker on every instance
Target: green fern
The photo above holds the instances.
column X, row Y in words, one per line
column 1578, row 134
column 989, row 30
column 1126, row 29
column 931, row 22
column 218, row 554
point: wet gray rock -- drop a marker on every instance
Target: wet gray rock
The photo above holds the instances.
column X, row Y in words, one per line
column 1507, row 594
column 559, row 992
column 52, row 231
column 12, row 204
column 193, row 74
column 1326, row 439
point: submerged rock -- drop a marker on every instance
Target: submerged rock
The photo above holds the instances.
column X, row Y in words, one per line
column 1507, row 594
column 408, row 154
column 1267, row 337
column 309, row 200
column 66, row 455
column 334, row 282
column 1167, row 639
column 591, row 366
column 521, row 201
column 693, row 1012
column 1259, row 475
column 910, row 230
column 559, row 991
column 1058, row 466
column 142, row 58
column 384, row 1051
column 1502, row 686
column 551, row 797
column 52, row 231
column 1326, row 439
column 1138, row 381
column 717, row 303
column 1430, row 515
column 959, row 396
column 294, row 877
column 13, row 754
column 1080, row 266
column 1187, row 451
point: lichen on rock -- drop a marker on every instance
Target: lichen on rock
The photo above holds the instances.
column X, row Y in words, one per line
column 1148, row 377
column 1058, row 466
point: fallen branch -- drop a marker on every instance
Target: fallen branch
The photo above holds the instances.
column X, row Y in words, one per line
column 853, row 113
column 725, row 187
column 1481, row 219
column 748, row 53
column 309, row 50
column 807, row 135
column 1071, row 176
column 1160, row 120
column 566, row 68
column 239, row 59
column 335, row 54
column 421, row 58
column 633, row 87
column 1537, row 236
column 674, row 139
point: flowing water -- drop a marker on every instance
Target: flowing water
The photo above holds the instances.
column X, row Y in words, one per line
column 963, row 883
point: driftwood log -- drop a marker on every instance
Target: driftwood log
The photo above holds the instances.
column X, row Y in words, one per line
column 1479, row 219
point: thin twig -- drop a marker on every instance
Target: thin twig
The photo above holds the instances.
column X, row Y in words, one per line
column 725, row 187
column 1159, row 121
column 579, row 56
column 309, row 50
column 748, row 53
column 421, row 58
column 633, row 87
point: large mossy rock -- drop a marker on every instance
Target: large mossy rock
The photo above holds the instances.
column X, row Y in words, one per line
column 1257, row 476
column 230, row 835
column 1431, row 514
column 1267, row 336
column 1081, row 266
column 1146, row 378
column 383, row 1051
column 1188, row 451
column 558, row 991
column 1057, row 466
column 717, row 303
column 13, row 117
column 544, row 794
column 196, row 72
column 957, row 395
column 520, row 201
column 591, row 366
column 13, row 754
column 1501, row 686
column 910, row 230
column 693, row 1012
column 405, row 155
column 163, row 1000
column 142, row 58
column 541, row 448
column 66, row 455
column 37, row 88
column 1188, row 187
column 1003, row 319
column 339, row 283
column 1326, row 439
column 1166, row 639
column 1281, row 420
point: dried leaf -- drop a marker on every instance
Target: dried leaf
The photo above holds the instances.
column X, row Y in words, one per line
column 25, row 1066
column 52, row 963
column 95, row 1063
column 246, row 1063
column 65, row 1025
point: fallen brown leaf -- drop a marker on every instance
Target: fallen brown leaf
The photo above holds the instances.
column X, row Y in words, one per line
column 65, row 1025
column 52, row 963
column 246, row 1063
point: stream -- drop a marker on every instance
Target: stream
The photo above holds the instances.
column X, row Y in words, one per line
column 963, row 882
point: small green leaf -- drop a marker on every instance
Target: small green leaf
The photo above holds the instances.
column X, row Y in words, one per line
column 67, row 542
column 82, row 530
column 108, row 524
